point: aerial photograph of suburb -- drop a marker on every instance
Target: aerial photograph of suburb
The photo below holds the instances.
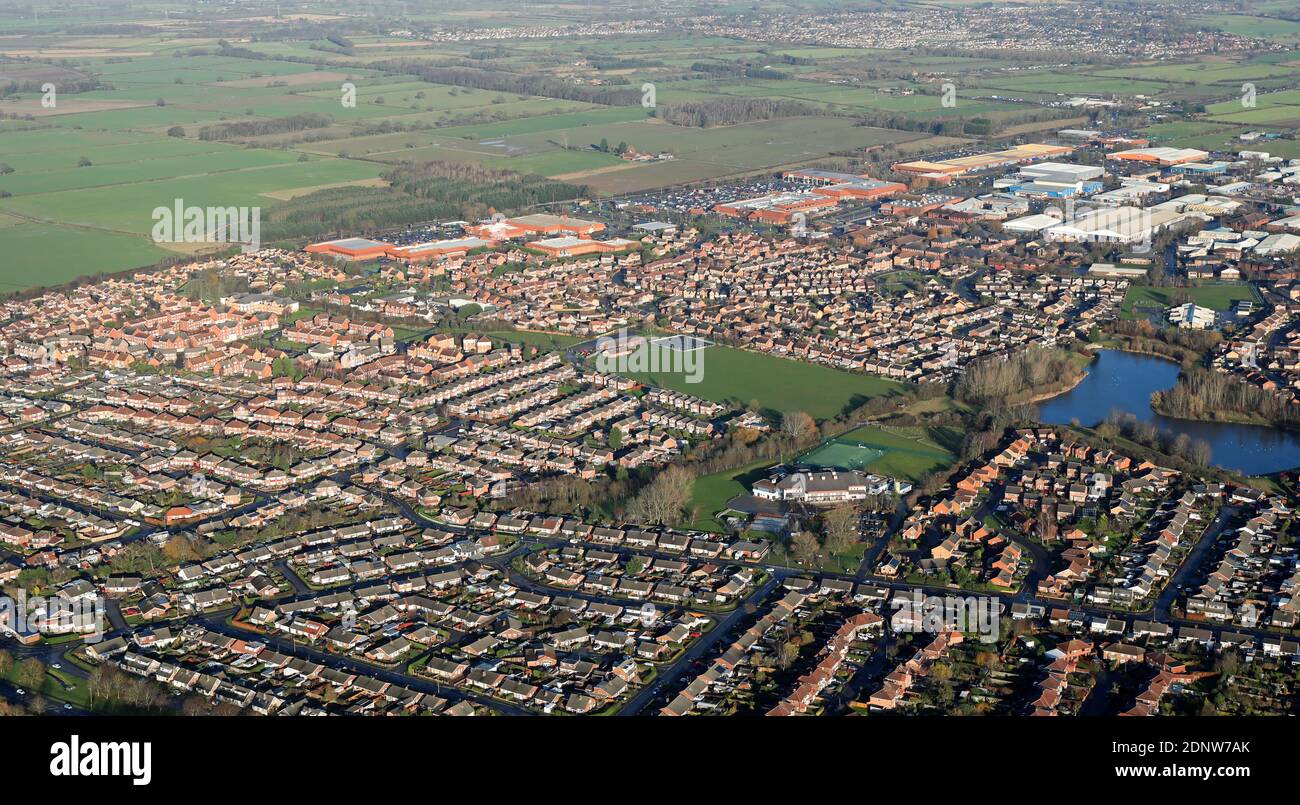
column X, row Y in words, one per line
column 844, row 359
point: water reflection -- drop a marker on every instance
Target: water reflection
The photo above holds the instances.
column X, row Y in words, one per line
column 1126, row 381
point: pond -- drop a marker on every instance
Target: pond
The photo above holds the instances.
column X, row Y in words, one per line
column 1126, row 381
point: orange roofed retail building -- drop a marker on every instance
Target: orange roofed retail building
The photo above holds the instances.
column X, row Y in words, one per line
column 351, row 248
column 538, row 224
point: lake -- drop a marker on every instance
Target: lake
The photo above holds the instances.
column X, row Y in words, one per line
column 1126, row 381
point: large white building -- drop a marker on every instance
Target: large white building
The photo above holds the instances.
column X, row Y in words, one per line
column 1191, row 316
column 827, row 487
column 1109, row 225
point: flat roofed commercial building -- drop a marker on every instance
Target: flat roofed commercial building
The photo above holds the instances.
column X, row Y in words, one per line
column 1130, row 192
column 546, row 223
column 1061, row 172
column 1110, row 225
column 1160, row 155
column 976, row 162
column 569, row 246
column 656, row 227
column 351, row 248
column 1031, row 223
column 1112, row 271
column 778, row 208
column 1278, row 243
column 536, row 224
column 438, row 249
column 862, row 189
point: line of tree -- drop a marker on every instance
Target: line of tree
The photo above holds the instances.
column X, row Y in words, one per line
column 728, row 111
column 1180, row 446
column 1002, row 380
column 620, row 63
column 498, row 81
column 419, row 192
column 256, row 128
column 112, row 690
column 1206, row 394
column 979, row 126
column 718, row 68
column 64, row 86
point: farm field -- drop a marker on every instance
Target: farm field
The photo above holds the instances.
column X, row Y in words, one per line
column 87, row 172
column 1264, row 27
column 64, row 253
column 128, row 207
column 1192, row 134
column 776, row 384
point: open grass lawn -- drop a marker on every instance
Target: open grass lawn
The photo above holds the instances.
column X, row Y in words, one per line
column 710, row 493
column 907, row 453
column 58, row 685
column 847, row 561
column 1219, row 296
column 545, row 341
column 737, row 376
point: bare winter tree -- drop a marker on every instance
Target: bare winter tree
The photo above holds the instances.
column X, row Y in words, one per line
column 840, row 525
column 797, row 425
column 803, row 546
column 662, row 502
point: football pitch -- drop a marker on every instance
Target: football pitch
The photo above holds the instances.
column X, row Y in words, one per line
column 898, row 452
column 738, row 377
column 842, row 455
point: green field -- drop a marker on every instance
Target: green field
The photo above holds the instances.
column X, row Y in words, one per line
column 44, row 254
column 544, row 341
column 898, row 452
column 1219, row 296
column 159, row 69
column 778, row 385
column 710, row 493
column 842, row 455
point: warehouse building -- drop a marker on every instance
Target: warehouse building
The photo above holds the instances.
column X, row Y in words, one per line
column 438, row 249
column 536, row 224
column 351, row 249
column 959, row 166
column 569, row 246
column 1160, row 155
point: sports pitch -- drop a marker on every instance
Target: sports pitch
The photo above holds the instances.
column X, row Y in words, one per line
column 737, row 377
column 681, row 343
column 842, row 455
column 898, row 452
